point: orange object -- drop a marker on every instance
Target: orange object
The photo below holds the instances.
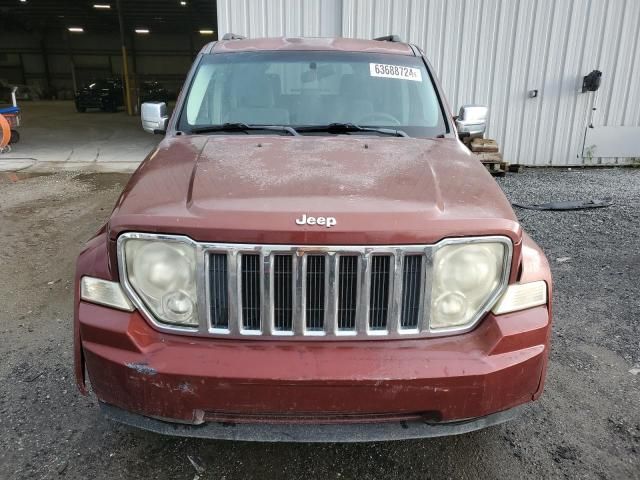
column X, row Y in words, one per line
column 5, row 130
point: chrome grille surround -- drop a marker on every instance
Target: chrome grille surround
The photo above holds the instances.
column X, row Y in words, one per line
column 299, row 255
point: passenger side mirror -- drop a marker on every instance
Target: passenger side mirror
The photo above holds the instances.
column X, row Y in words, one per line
column 472, row 120
column 154, row 117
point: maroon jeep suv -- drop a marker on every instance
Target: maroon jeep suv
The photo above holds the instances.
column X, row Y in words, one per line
column 311, row 254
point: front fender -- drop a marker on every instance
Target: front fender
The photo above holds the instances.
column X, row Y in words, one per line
column 535, row 267
column 93, row 261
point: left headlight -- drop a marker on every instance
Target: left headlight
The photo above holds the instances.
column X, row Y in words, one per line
column 467, row 277
column 163, row 275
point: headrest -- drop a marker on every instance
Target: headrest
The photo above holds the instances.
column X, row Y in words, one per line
column 257, row 93
column 348, row 85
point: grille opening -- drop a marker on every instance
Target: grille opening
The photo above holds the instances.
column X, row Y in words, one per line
column 250, row 273
column 268, row 286
column 347, row 292
column 379, row 292
column 315, row 292
column 218, row 290
column 282, row 293
column 411, row 286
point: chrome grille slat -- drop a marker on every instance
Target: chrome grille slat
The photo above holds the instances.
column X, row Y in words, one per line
column 331, row 295
column 267, row 306
column 329, row 292
column 396, row 292
column 300, row 270
column 235, row 313
column 425, row 290
column 364, row 293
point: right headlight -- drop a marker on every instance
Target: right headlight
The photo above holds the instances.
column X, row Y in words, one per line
column 466, row 277
column 162, row 274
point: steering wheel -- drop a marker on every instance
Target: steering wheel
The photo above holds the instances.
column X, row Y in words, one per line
column 369, row 118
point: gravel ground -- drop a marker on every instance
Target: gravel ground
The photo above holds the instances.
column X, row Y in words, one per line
column 587, row 424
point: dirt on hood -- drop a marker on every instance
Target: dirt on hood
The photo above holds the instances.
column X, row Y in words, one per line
column 251, row 189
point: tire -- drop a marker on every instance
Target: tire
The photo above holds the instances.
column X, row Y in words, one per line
column 80, row 109
column 15, row 137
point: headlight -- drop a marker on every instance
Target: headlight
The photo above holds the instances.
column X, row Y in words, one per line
column 162, row 274
column 466, row 277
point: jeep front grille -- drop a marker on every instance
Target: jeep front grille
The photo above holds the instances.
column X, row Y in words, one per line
column 318, row 291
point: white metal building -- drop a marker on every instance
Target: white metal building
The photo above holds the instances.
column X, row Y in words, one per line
column 498, row 53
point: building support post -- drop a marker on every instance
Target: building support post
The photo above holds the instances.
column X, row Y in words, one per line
column 73, row 64
column 135, row 86
column 192, row 53
column 125, row 66
column 23, row 74
column 45, row 63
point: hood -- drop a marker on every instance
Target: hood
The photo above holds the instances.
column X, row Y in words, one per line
column 251, row 189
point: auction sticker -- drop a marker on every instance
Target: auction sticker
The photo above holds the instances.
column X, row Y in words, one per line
column 395, row 71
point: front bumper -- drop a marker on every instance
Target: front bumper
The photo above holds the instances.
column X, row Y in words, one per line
column 343, row 433
column 274, row 389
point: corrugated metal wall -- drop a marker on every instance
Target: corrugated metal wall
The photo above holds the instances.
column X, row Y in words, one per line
column 275, row 18
column 494, row 52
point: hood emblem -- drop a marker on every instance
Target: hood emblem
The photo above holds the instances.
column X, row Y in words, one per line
column 322, row 221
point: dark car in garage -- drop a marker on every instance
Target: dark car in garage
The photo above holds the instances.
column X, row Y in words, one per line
column 105, row 94
column 152, row 91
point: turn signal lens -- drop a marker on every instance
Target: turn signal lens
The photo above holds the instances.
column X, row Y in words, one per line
column 521, row 296
column 104, row 292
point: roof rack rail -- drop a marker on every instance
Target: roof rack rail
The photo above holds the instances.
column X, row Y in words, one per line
column 233, row 36
column 389, row 38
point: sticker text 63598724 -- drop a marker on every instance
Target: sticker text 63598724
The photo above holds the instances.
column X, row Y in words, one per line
column 395, row 71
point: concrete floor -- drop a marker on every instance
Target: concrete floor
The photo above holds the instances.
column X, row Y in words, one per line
column 55, row 137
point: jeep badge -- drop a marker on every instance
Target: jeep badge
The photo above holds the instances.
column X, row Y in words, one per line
column 325, row 221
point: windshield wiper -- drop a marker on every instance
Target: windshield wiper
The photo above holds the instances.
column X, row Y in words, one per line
column 350, row 127
column 244, row 127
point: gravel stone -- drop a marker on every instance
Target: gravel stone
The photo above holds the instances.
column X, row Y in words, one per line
column 586, row 425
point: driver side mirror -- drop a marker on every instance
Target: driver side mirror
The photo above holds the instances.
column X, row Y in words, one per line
column 154, row 117
column 472, row 120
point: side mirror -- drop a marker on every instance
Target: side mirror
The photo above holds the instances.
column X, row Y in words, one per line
column 472, row 120
column 154, row 117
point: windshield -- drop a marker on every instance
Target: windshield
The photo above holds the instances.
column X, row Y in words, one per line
column 313, row 88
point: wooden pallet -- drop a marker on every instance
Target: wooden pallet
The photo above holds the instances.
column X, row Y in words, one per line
column 484, row 145
column 496, row 166
column 488, row 153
